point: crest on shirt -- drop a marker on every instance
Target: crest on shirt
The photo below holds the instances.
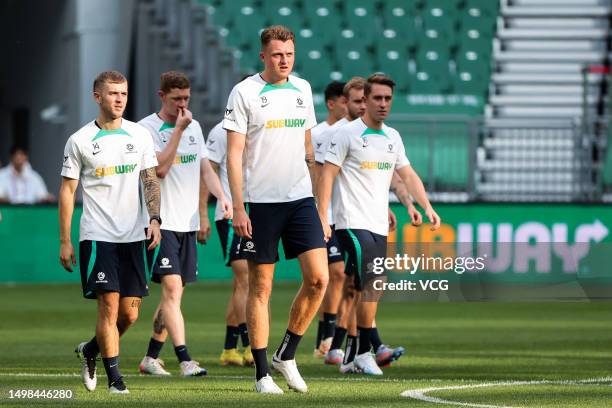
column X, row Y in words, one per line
column 300, row 102
column 129, row 148
column 264, row 101
column 390, row 148
column 192, row 140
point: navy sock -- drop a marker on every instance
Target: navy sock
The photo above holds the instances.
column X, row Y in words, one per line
column 339, row 334
column 111, row 365
column 91, row 349
column 231, row 337
column 154, row 348
column 351, row 348
column 329, row 324
column 181, row 353
column 288, row 347
column 244, row 334
column 375, row 339
column 261, row 362
column 363, row 340
column 319, row 333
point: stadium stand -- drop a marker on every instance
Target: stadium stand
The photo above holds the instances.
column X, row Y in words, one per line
column 490, row 96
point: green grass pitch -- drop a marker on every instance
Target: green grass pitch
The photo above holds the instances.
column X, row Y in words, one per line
column 564, row 348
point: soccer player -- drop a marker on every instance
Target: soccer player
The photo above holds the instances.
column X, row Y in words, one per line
column 268, row 119
column 108, row 155
column 345, row 289
column 335, row 102
column 363, row 155
column 236, row 308
column 183, row 167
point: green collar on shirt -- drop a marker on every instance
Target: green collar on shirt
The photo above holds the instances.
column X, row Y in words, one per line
column 370, row 131
column 270, row 87
column 102, row 133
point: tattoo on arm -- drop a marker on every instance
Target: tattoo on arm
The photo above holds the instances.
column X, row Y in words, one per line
column 158, row 323
column 152, row 193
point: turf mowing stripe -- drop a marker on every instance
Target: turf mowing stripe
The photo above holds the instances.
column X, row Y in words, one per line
column 420, row 394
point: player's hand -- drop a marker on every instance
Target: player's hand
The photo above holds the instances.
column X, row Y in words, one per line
column 204, row 232
column 183, row 118
column 67, row 258
column 415, row 216
column 226, row 206
column 434, row 218
column 392, row 221
column 326, row 227
column 242, row 224
column 153, row 234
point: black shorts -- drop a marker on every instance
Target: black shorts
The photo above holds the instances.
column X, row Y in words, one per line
column 113, row 267
column 175, row 255
column 334, row 249
column 296, row 222
column 361, row 247
column 230, row 242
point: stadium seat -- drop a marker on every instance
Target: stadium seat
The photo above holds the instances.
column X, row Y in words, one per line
column 468, row 83
column 355, row 61
column 248, row 17
column 434, row 61
column 394, row 9
column 360, row 16
column 404, row 28
column 317, row 67
column 398, row 71
column 473, row 62
column 474, row 40
column 475, row 19
column 490, row 6
column 323, row 16
column 283, row 12
column 423, row 83
column 432, row 39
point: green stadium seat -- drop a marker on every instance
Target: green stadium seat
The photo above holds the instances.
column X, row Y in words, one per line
column 474, row 40
column 283, row 12
column 467, row 83
column 404, row 28
column 434, row 61
column 306, row 40
column 355, row 61
column 394, row 9
column 442, row 7
column 360, row 16
column 473, row 62
column 349, row 38
column 432, row 39
column 323, row 16
column 316, row 67
column 474, row 19
column 255, row 22
column 398, row 71
column 423, row 83
column 491, row 6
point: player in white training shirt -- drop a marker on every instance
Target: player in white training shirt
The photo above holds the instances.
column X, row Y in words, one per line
column 110, row 156
column 335, row 102
column 235, row 316
column 364, row 155
column 183, row 169
column 268, row 119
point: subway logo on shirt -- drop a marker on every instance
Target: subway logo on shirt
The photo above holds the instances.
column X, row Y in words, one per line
column 114, row 170
column 372, row 165
column 285, row 123
column 185, row 159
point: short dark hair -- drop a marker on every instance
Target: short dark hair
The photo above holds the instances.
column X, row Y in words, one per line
column 114, row 77
column 276, row 32
column 18, row 148
column 333, row 90
column 377, row 78
column 173, row 79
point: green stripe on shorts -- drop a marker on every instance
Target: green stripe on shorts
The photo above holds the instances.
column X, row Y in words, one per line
column 228, row 245
column 357, row 250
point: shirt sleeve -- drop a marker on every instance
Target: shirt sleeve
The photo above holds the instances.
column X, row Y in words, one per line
column 199, row 134
column 402, row 159
column 72, row 160
column 236, row 113
column 338, row 148
column 311, row 119
column 149, row 158
column 217, row 145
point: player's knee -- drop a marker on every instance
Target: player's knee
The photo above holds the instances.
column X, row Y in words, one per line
column 336, row 273
column 129, row 317
column 260, row 289
column 317, row 282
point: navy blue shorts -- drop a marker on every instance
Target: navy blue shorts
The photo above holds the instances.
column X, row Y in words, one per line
column 175, row 255
column 113, row 267
column 334, row 249
column 230, row 242
column 361, row 247
column 296, row 222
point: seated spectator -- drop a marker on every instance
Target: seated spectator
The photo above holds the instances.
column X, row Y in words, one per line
column 20, row 184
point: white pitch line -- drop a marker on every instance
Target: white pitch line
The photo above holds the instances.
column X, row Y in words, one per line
column 420, row 394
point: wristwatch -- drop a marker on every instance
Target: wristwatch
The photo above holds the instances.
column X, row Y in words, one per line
column 156, row 218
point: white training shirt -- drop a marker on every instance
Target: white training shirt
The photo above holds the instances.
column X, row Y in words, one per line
column 274, row 119
column 217, row 152
column 108, row 163
column 180, row 189
column 367, row 158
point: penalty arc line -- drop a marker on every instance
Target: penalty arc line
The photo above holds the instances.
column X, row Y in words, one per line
column 421, row 394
